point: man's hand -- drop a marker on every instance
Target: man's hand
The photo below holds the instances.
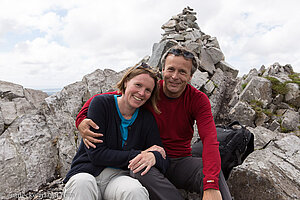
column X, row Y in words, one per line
column 87, row 135
column 143, row 160
column 212, row 194
column 159, row 149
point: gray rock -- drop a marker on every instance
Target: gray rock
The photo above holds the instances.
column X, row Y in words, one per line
column 252, row 73
column 207, row 63
column 209, row 87
column 213, row 42
column 194, row 46
column 293, row 95
column 10, row 91
column 35, row 97
column 1, row 123
column 9, row 112
column 158, row 50
column 243, row 113
column 234, row 100
column 227, row 68
column 170, row 24
column 258, row 89
column 290, row 120
column 199, row 79
column 274, row 125
column 278, row 99
column 215, row 54
column 270, row 173
column 217, row 95
column 261, row 119
column 28, row 155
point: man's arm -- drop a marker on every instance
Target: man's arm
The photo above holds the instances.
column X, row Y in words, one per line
column 208, row 134
column 83, row 124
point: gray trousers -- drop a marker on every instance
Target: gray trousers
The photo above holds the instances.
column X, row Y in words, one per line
column 111, row 184
column 183, row 173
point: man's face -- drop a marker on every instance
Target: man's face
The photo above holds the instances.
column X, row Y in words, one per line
column 176, row 75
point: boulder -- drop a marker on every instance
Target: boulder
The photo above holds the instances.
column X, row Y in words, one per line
column 206, row 62
column 10, row 91
column 270, row 172
column 219, row 89
column 258, row 89
column 243, row 113
column 215, row 53
column 199, row 79
column 227, row 68
column 28, row 155
column 290, row 120
column 35, row 97
column 293, row 95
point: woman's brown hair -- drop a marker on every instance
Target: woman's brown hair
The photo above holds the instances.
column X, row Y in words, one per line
column 138, row 69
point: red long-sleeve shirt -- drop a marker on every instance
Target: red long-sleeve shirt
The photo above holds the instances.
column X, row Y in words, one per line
column 175, row 124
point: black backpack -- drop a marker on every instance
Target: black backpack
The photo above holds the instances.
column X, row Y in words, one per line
column 235, row 145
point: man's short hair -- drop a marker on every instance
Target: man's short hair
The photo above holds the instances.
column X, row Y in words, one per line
column 178, row 50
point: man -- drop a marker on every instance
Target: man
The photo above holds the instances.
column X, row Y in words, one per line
column 180, row 105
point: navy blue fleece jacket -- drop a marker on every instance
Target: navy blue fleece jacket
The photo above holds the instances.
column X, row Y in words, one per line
column 142, row 134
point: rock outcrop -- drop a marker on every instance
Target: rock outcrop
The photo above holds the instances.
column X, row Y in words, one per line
column 38, row 138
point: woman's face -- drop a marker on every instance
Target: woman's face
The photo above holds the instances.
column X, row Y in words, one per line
column 138, row 90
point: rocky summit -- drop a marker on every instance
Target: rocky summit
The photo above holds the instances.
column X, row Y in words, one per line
column 38, row 137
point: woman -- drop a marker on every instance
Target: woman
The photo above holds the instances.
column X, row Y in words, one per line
column 102, row 172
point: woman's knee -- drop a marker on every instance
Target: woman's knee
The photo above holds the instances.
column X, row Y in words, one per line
column 82, row 180
column 79, row 184
column 125, row 187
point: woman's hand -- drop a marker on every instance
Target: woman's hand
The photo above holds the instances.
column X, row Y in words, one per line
column 87, row 135
column 144, row 160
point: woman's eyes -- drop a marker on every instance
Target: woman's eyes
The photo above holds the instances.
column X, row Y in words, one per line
column 149, row 91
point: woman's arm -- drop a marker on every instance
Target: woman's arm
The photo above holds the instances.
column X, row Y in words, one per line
column 151, row 156
column 99, row 111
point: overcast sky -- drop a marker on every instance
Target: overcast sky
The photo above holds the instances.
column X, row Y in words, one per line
column 53, row 43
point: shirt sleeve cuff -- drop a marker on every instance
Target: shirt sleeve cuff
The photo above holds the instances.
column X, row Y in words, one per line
column 210, row 183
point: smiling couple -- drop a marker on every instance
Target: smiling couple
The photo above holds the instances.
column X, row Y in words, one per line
column 137, row 141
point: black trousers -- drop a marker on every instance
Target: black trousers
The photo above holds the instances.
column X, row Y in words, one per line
column 183, row 173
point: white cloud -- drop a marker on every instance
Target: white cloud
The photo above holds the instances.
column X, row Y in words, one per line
column 52, row 43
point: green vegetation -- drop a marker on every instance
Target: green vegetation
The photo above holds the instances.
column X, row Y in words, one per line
column 257, row 107
column 284, row 130
column 277, row 86
column 244, row 85
column 268, row 112
column 256, row 103
column 295, row 78
column 216, row 85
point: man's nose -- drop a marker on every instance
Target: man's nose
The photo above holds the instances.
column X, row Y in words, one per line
column 175, row 75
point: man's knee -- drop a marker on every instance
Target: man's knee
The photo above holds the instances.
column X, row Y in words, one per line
column 151, row 175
